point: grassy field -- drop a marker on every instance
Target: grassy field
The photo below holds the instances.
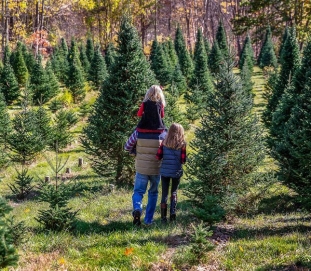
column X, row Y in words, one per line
column 278, row 237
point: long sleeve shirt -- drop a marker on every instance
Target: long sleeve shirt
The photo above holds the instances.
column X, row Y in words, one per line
column 131, row 142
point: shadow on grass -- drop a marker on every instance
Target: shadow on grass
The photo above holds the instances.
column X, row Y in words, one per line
column 298, row 266
column 270, row 231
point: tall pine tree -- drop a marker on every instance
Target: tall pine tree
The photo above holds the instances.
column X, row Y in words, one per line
column 290, row 60
column 201, row 81
column 247, row 54
column 89, row 49
column 19, row 65
column 215, row 58
column 229, row 148
column 114, row 114
column 183, row 54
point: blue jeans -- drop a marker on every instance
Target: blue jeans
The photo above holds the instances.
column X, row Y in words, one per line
column 140, row 187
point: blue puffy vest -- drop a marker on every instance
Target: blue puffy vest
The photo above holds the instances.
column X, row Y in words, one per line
column 171, row 163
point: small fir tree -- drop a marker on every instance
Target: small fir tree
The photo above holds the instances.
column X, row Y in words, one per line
column 58, row 216
column 221, row 39
column 60, row 131
column 153, row 53
column 29, row 58
column 172, row 53
column 179, row 80
column 215, row 59
column 98, row 73
column 52, row 80
column 84, row 60
column 247, row 54
column 110, row 55
column 229, row 146
column 246, row 78
column 123, row 90
column 8, row 84
column 267, row 55
column 39, row 84
column 23, row 184
column 6, row 54
column 160, row 66
column 183, row 54
column 19, row 66
column 8, row 254
column 75, row 82
column 25, row 141
column 89, row 49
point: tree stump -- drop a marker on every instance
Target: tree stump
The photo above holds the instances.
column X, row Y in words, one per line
column 80, row 162
column 68, row 170
column 47, row 179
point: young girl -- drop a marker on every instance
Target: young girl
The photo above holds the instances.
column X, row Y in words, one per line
column 151, row 111
column 172, row 152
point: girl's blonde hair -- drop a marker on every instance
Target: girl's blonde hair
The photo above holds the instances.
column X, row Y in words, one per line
column 175, row 138
column 155, row 94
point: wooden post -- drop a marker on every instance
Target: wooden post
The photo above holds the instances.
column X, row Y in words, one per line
column 68, row 170
column 80, row 162
column 47, row 179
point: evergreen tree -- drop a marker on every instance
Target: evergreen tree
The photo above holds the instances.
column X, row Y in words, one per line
column 60, row 62
column 24, row 141
column 60, row 131
column 130, row 77
column 153, row 53
column 51, row 78
column 5, row 130
column 29, row 58
column 201, row 81
column 229, row 148
column 8, row 84
column 23, row 184
column 221, row 39
column 285, row 35
column 246, row 78
column 110, row 55
column 166, row 50
column 215, row 59
column 294, row 163
column 89, row 49
column 179, row 80
column 84, row 60
column 58, row 216
column 39, row 84
column 5, row 123
column 183, row 54
column 75, row 78
column 8, row 254
column 160, row 66
column 63, row 47
column 247, row 54
column 172, row 53
column 6, row 54
column 290, row 62
column 98, row 73
column 284, row 122
column 19, row 66
column 267, row 55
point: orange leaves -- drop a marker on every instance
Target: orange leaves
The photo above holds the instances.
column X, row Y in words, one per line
column 128, row 251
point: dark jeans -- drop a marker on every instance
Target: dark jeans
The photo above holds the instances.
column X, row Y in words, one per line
column 165, row 188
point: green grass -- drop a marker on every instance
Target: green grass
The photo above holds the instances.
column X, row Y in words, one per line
column 278, row 238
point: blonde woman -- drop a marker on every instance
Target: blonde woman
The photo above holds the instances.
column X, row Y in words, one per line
column 172, row 152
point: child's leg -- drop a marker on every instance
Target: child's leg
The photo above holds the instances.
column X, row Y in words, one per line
column 175, row 184
column 165, row 187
